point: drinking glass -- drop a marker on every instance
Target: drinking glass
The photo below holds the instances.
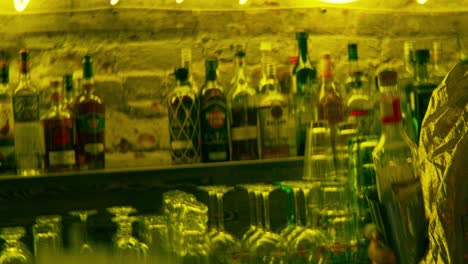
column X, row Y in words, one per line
column 47, row 233
column 82, row 243
column 127, row 248
column 195, row 249
column 318, row 156
column 225, row 248
column 14, row 252
column 295, row 226
column 121, row 210
column 154, row 233
column 268, row 247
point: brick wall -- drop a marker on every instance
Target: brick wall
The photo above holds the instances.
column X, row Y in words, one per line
column 136, row 49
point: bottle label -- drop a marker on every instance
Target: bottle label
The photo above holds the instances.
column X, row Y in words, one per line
column 26, row 108
column 91, row 123
column 94, row 148
column 59, row 140
column 7, row 140
column 214, row 126
column 274, row 130
column 333, row 112
column 244, row 133
column 340, row 253
column 183, row 129
column 58, row 158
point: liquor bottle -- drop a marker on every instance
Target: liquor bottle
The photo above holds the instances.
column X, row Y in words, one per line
column 90, row 122
column 68, row 92
column 265, row 59
column 359, row 104
column 274, row 114
column 398, row 185
column 26, row 107
column 58, row 125
column 354, row 71
column 306, row 94
column 7, row 139
column 186, row 62
column 421, row 88
column 331, row 102
column 213, row 117
column 184, row 127
column 244, row 117
column 405, row 79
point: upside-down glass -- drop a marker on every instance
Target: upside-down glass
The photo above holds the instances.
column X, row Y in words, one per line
column 318, row 157
column 295, row 226
column 47, row 233
column 80, row 241
column 14, row 251
column 127, row 248
column 154, row 233
column 225, row 248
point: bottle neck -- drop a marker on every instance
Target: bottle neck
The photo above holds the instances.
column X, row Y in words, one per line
column 420, row 72
column 211, row 75
column 88, row 85
column 353, row 66
column 24, row 77
column 303, row 50
column 183, row 83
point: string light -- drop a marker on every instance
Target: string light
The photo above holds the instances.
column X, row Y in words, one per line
column 114, row 2
column 20, row 5
column 179, row 1
column 243, row 2
column 421, row 2
column 339, row 1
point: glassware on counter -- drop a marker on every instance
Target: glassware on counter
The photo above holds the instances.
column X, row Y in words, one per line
column 48, row 238
column 14, row 251
column 81, row 242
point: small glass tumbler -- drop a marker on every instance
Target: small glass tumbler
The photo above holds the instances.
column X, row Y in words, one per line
column 318, row 157
column 47, row 232
column 14, row 251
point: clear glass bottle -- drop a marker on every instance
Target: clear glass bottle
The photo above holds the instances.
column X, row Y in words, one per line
column 26, row 108
column 306, row 94
column 397, row 178
column 58, row 125
column 265, row 59
column 359, row 105
column 90, row 121
column 213, row 117
column 7, row 139
column 421, row 88
column 274, row 114
column 331, row 103
column 354, row 71
column 244, row 117
column 186, row 62
column 405, row 78
column 184, row 127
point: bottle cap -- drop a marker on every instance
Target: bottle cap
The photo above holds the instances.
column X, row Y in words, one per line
column 388, row 78
column 352, row 52
column 181, row 74
column 422, row 55
column 24, row 55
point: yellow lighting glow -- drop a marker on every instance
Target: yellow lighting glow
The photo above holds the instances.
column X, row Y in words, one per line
column 422, row 2
column 114, row 2
column 243, row 2
column 338, row 1
column 179, row 1
column 20, row 5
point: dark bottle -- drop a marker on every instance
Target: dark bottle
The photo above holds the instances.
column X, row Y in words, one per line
column 213, row 117
column 90, row 122
column 421, row 88
column 59, row 135
column 184, row 127
column 331, row 102
column 244, row 118
column 7, row 139
column 306, row 94
column 68, row 92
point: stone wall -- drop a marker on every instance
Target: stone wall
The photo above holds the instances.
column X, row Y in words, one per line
column 136, row 49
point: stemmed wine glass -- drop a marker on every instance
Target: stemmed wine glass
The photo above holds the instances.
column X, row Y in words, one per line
column 268, row 247
column 14, row 251
column 84, row 247
column 128, row 249
column 225, row 248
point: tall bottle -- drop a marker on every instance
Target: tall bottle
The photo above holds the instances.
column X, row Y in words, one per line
column 354, row 71
column 331, row 106
column 68, row 92
column 244, row 117
column 58, row 125
column 7, row 139
column 186, row 62
column 90, row 121
column 421, row 88
column 213, row 117
column 26, row 108
column 360, row 105
column 405, row 78
column 306, row 94
column 274, row 114
column 184, row 127
column 398, row 185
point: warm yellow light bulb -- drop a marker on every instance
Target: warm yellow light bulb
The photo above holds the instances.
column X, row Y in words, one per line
column 179, row 1
column 20, row 5
column 338, row 1
column 114, row 2
column 243, row 2
column 422, row 2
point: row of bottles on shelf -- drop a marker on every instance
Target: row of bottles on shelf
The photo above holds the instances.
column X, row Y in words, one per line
column 68, row 136
column 248, row 122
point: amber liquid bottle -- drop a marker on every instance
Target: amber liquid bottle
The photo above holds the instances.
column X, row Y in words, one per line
column 58, row 134
column 331, row 103
column 90, row 122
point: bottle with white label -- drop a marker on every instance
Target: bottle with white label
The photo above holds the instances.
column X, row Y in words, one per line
column 7, row 139
column 184, row 127
column 214, row 120
column 90, row 121
column 28, row 137
column 273, row 112
column 58, row 134
column 244, row 118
